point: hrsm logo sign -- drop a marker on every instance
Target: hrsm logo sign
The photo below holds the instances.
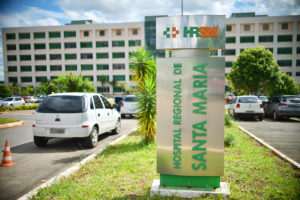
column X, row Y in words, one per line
column 203, row 31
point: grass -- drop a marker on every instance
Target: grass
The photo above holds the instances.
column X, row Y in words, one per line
column 126, row 171
column 6, row 120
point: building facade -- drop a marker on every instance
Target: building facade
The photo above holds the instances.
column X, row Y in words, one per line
column 100, row 52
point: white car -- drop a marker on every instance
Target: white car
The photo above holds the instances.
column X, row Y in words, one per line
column 129, row 106
column 246, row 106
column 74, row 115
column 13, row 101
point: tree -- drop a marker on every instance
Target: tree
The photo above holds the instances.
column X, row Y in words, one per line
column 27, row 91
column 286, row 85
column 73, row 83
column 15, row 89
column 254, row 72
column 5, row 91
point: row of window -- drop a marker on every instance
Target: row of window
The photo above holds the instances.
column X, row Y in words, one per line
column 42, row 68
column 38, row 57
column 280, row 51
column 281, row 63
column 265, row 27
column 72, row 45
column 265, row 38
column 67, row 34
column 100, row 78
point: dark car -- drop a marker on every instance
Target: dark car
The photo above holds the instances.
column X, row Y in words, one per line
column 117, row 104
column 283, row 106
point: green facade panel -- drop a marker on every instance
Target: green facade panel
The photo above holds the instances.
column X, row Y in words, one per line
column 86, row 67
column 24, row 35
column 39, row 35
column 71, row 67
column 54, row 34
column 55, row 46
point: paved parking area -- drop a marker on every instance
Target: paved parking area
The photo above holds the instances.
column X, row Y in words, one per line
column 283, row 135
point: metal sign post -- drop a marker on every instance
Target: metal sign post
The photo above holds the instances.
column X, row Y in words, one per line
column 190, row 103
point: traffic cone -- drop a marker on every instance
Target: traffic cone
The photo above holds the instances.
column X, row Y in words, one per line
column 6, row 161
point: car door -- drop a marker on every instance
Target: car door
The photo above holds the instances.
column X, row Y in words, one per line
column 109, row 112
column 17, row 101
column 100, row 114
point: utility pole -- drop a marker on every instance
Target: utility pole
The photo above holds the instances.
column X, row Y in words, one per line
column 181, row 7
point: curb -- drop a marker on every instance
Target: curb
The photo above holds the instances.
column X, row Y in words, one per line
column 277, row 152
column 71, row 170
column 13, row 124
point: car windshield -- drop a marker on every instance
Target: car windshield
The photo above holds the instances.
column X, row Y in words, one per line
column 62, row 104
column 130, row 99
column 293, row 99
column 263, row 98
column 248, row 100
column 8, row 99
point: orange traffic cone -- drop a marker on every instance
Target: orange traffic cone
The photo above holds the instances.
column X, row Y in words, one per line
column 6, row 161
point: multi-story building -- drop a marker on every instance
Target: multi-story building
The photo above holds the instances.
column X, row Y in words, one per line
column 100, row 52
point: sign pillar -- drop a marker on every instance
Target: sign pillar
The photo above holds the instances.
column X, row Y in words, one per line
column 190, row 103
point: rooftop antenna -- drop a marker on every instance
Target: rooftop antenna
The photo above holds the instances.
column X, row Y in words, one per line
column 181, row 7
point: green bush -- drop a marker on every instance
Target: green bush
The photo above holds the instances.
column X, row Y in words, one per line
column 228, row 120
column 229, row 140
column 22, row 107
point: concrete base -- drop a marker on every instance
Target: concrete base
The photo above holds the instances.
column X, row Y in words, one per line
column 156, row 190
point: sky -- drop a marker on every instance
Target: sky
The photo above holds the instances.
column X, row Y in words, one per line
column 20, row 13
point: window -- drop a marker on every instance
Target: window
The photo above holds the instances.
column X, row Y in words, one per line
column 266, row 27
column 55, row 46
column 119, row 77
column 70, row 34
column 13, row 79
column 230, row 40
column 86, row 67
column 40, row 46
column 118, row 43
column 265, row 38
column 297, row 62
column 284, row 51
column 86, row 56
column 298, row 38
column 86, row 44
column 71, row 56
column 102, row 55
column 24, row 35
column 118, row 32
column 25, row 57
column 102, row 33
column 86, row 34
column 102, row 67
column 11, row 58
column 24, row 47
column 38, row 35
column 118, row 66
column 117, row 89
column 297, row 73
column 97, row 101
column 134, row 32
column 90, row 78
column 41, row 68
column 133, row 43
column 10, row 36
column 10, row 47
column 62, row 104
column 247, row 27
column 106, row 103
column 55, row 56
column 12, row 68
column 54, row 34
column 228, row 52
column 40, row 79
column 284, row 63
column 71, row 67
column 228, row 28
column 298, row 50
column 284, row 26
column 103, row 89
column 53, row 77
column 228, row 64
column 103, row 78
column 285, row 38
column 249, row 39
column 70, row 45
column 118, row 55
column 26, row 68
column 26, row 79
column 40, row 57
column 101, row 44
column 55, row 68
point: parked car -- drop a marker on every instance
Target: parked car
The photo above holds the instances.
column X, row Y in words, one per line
column 12, row 101
column 246, row 106
column 263, row 99
column 229, row 98
column 40, row 99
column 31, row 99
column 129, row 106
column 118, row 101
column 74, row 115
column 283, row 106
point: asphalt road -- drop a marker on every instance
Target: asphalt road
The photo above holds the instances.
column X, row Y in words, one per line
column 35, row 165
column 283, row 135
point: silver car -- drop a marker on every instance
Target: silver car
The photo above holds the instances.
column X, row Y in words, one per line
column 283, row 106
column 13, row 101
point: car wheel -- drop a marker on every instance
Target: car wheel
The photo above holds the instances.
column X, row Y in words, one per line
column 122, row 116
column 117, row 129
column 40, row 141
column 275, row 116
column 92, row 140
column 261, row 117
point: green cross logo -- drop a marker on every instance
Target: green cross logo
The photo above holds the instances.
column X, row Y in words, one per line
column 166, row 32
